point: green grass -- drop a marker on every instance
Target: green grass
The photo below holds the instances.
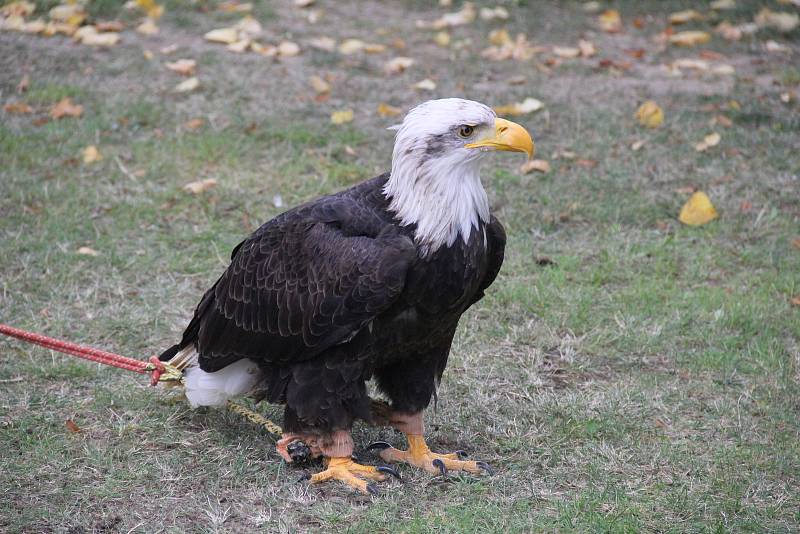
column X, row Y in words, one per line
column 625, row 373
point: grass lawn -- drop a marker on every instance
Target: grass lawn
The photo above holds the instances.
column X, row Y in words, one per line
column 625, row 373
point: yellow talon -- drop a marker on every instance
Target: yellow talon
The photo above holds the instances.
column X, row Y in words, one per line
column 419, row 455
column 353, row 474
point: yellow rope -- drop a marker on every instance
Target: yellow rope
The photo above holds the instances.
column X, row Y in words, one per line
column 254, row 417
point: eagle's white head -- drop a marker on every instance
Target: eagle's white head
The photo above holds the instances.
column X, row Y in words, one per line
column 435, row 180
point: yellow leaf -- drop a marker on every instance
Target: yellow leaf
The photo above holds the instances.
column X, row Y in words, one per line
column 387, row 110
column 184, row 67
column 101, row 39
column 425, row 85
column 65, row 108
column 187, row 85
column 148, row 27
column 351, row 46
column 610, row 21
column 442, row 39
column 689, row 38
column 91, row 154
column 18, row 9
column 650, row 114
column 529, row 105
column 72, row 14
column 288, row 49
column 200, row 186
column 500, row 37
column 682, row 17
column 698, row 210
column 708, row 141
column 320, row 85
column 397, row 65
column 566, row 52
column 222, row 35
column 538, row 165
column 341, row 117
column 88, row 251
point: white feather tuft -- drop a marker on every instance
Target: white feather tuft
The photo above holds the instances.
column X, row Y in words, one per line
column 214, row 389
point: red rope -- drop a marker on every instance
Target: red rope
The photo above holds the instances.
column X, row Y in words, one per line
column 153, row 366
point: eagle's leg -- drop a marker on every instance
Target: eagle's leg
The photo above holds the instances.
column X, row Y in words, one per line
column 337, row 449
column 418, row 453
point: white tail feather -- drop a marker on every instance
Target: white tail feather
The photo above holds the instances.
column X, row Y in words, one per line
column 214, row 389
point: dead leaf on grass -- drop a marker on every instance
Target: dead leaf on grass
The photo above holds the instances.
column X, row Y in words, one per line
column 796, row 242
column 650, row 114
column 87, row 251
column 351, row 46
column 387, row 110
column 194, row 124
column 610, row 21
column 708, row 141
column 200, row 186
column 722, row 5
column 23, row 84
column 17, row 108
column 682, row 17
column 777, row 20
column 109, row 26
column 425, row 85
column 698, row 210
column 18, row 9
column 65, row 108
column 397, row 65
column 566, row 52
column 795, row 301
column 587, row 48
column 233, row 6
column 148, row 27
column 637, row 145
column 222, row 35
column 466, row 15
column 538, row 165
column 90, row 154
column 71, row 426
column 689, row 38
column 187, row 85
column 288, row 49
column 529, row 105
column 442, row 39
column 488, row 13
column 342, row 117
column 323, row 43
column 184, row 67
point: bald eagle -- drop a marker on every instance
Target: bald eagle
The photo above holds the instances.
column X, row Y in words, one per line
column 367, row 283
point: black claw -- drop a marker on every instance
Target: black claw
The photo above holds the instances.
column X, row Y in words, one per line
column 373, row 489
column 462, row 454
column 440, row 464
column 391, row 471
column 303, row 478
column 485, row 467
column 378, row 446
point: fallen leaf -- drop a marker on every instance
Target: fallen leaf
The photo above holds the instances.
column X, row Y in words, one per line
column 728, row 31
column 442, row 39
column 351, row 46
column 194, row 124
column 200, row 186
column 587, row 48
column 529, row 105
column 266, row 50
column 723, row 121
column 169, row 49
column 690, row 63
column 708, row 141
column 148, row 55
column 248, row 27
column 288, row 49
column 222, row 35
column 689, row 38
column 636, row 145
column 91, row 154
column 109, row 26
column 23, row 84
column 538, row 165
column 88, row 251
column 650, row 114
column 71, row 426
column 233, row 6
column 303, row 3
column 148, row 27
column 698, row 210
column 591, row 7
column 187, row 85
column 320, row 85
column 500, row 37
column 184, row 67
column 610, row 21
column 397, row 65
column 18, row 9
column 17, row 107
column 459, row 18
column 65, row 108
column 774, row 46
column 780, row 21
column 795, row 301
column 342, row 117
column 587, row 163
column 350, row 151
column 488, row 13
column 566, row 52
column 796, row 243
column 425, row 85
column 323, row 43
column 724, row 69
column 73, row 14
column 721, row 5
column 682, row 17
column 387, row 110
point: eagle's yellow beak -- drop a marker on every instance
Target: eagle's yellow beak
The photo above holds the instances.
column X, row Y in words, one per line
column 508, row 136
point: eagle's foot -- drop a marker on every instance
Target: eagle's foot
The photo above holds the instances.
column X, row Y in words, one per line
column 353, row 474
column 419, row 455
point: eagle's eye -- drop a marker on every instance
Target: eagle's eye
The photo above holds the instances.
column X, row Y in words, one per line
column 465, row 130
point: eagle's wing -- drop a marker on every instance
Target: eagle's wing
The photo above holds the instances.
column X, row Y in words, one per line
column 307, row 280
column 496, row 247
